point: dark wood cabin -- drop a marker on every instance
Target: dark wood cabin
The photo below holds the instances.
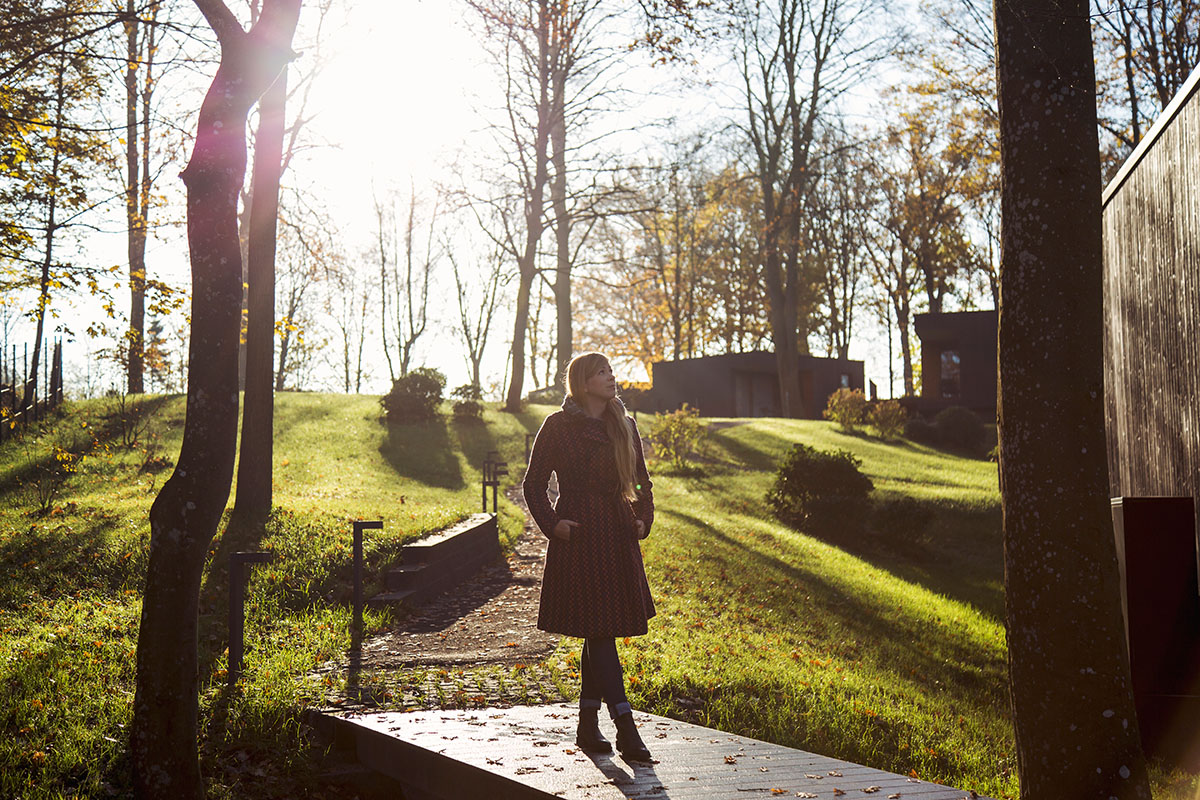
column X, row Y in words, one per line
column 746, row 384
column 1152, row 415
column 958, row 362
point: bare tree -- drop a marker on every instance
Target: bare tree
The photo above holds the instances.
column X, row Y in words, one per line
column 141, row 51
column 308, row 257
column 797, row 57
column 837, row 219
column 275, row 145
column 349, row 306
column 1151, row 49
column 554, row 71
column 1072, row 699
column 406, row 264
column 477, row 301
column 255, row 463
column 184, row 516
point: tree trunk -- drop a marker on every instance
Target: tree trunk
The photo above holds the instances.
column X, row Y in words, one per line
column 1076, row 729
column 184, row 516
column 135, row 221
column 254, row 459
column 534, row 208
column 30, row 390
column 564, row 344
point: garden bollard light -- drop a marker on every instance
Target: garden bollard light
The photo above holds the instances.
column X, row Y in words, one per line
column 359, row 527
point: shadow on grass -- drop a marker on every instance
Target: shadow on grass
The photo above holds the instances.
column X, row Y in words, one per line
column 85, row 551
column 422, row 451
column 903, row 644
column 950, row 549
column 742, row 454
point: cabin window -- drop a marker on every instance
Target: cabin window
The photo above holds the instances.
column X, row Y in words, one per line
column 845, row 381
column 951, row 372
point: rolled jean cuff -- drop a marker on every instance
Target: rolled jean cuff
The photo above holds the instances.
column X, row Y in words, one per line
column 587, row 702
column 619, row 709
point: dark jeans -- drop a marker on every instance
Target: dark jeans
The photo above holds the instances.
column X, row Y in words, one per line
column 602, row 678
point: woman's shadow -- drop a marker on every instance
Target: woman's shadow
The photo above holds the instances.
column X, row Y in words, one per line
column 643, row 781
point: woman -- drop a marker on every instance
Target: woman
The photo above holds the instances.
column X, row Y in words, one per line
column 594, row 586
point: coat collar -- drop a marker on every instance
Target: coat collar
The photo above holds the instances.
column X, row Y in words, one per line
column 575, row 410
column 594, row 428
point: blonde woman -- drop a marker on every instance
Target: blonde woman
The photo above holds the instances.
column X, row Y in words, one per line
column 594, row 586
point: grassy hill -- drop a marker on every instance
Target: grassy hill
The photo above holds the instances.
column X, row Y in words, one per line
column 883, row 645
column 74, row 531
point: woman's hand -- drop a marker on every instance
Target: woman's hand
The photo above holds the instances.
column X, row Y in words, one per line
column 640, row 527
column 563, row 529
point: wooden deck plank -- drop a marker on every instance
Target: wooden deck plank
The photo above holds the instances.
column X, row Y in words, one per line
column 529, row 752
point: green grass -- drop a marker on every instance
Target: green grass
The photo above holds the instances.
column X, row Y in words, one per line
column 883, row 645
column 885, row 648
column 71, row 577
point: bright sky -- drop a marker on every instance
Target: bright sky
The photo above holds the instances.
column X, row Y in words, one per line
column 400, row 95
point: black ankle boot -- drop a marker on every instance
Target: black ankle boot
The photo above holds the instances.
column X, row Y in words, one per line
column 588, row 736
column 629, row 742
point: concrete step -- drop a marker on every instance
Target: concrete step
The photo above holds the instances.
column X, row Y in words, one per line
column 440, row 562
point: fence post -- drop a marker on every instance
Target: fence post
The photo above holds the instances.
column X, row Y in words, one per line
column 238, row 567
column 359, row 527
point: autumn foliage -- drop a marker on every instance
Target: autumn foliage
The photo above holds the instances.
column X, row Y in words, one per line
column 848, row 408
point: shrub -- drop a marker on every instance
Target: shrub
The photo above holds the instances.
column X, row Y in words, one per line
column 677, row 434
column 888, row 418
column 959, row 428
column 902, row 520
column 921, row 431
column 818, row 488
column 468, row 403
column 552, row 394
column 847, row 407
column 415, row 397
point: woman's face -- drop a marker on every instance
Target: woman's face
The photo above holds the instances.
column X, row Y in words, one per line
column 602, row 385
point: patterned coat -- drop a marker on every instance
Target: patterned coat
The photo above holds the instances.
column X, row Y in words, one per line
column 594, row 584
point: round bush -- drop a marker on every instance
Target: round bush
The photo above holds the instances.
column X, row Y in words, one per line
column 958, row 427
column 888, row 418
column 468, row 403
column 818, row 488
column 921, row 431
column 414, row 397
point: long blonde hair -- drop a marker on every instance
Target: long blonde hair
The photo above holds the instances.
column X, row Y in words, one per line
column 582, row 367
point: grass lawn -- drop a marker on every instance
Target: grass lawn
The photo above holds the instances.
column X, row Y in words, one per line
column 884, row 646
column 71, row 577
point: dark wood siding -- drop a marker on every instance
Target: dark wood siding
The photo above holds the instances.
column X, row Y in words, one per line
column 1152, row 309
column 745, row 384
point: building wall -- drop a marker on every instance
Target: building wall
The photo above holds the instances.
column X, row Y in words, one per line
column 1152, row 308
column 745, row 384
column 973, row 335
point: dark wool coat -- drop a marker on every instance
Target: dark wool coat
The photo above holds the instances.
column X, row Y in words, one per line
column 594, row 583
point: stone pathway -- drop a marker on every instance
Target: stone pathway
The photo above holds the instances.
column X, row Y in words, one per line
column 475, row 646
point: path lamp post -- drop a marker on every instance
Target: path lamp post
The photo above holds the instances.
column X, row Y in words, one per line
column 492, row 470
column 359, row 527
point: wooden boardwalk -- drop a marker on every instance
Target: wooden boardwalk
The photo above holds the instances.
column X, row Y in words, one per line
column 529, row 752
